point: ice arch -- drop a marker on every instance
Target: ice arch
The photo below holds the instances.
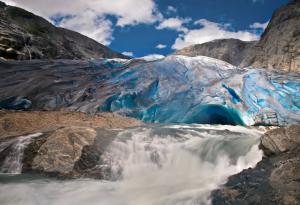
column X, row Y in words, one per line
column 215, row 114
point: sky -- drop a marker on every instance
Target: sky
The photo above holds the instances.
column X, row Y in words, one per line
column 156, row 27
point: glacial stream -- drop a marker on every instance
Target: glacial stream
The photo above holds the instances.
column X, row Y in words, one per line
column 151, row 165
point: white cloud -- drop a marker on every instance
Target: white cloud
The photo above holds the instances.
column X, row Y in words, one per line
column 92, row 14
column 174, row 24
column 128, row 53
column 209, row 31
column 171, row 9
column 89, row 26
column 161, row 46
column 258, row 25
column 152, row 57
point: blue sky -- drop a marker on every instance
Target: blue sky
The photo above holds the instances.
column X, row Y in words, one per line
column 145, row 27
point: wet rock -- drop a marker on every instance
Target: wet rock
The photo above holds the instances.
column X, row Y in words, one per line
column 275, row 179
column 69, row 152
column 91, row 163
column 62, row 149
column 70, row 146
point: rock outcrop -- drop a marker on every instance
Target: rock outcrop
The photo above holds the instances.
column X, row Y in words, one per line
column 275, row 180
column 24, row 35
column 61, row 149
column 63, row 144
column 278, row 48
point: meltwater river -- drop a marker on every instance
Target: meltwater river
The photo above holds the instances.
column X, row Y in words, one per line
column 151, row 165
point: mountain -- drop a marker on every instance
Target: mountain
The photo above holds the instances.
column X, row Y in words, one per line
column 232, row 51
column 24, row 35
column 278, row 48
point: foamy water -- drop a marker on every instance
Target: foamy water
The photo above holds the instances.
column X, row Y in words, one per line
column 151, row 166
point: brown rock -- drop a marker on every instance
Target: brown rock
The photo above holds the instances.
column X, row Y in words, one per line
column 14, row 123
column 62, row 149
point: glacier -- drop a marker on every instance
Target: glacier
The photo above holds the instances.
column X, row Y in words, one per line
column 180, row 89
column 174, row 89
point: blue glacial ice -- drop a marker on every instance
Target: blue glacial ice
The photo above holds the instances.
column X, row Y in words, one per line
column 179, row 89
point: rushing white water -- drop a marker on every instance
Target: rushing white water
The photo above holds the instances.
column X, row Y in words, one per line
column 176, row 165
column 13, row 161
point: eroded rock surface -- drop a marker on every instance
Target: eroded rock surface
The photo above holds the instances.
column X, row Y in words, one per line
column 275, row 180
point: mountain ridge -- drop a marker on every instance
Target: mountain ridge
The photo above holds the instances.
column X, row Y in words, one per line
column 24, row 35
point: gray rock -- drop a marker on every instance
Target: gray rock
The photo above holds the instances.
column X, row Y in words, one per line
column 24, row 35
column 275, row 180
column 279, row 47
column 280, row 140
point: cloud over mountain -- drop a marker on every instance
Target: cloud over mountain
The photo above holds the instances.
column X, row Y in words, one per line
column 209, row 31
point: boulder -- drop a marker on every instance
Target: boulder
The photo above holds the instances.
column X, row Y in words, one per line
column 280, row 140
column 275, row 179
column 62, row 149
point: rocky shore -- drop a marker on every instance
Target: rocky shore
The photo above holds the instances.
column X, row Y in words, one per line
column 69, row 145
column 275, row 179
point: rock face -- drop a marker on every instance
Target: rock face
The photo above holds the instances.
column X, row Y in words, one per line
column 275, row 180
column 68, row 152
column 232, row 51
column 62, row 149
column 64, row 144
column 278, row 48
column 24, row 35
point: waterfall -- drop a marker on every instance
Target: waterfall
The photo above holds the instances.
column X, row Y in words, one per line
column 12, row 163
column 156, row 165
